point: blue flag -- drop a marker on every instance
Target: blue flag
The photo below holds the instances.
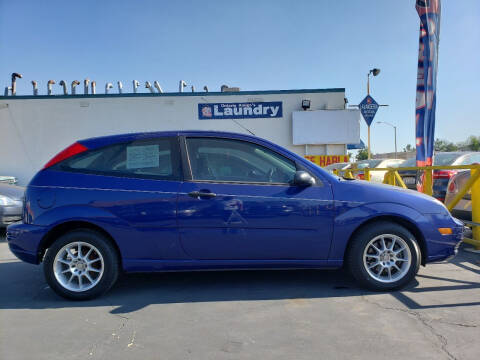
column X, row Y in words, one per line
column 429, row 12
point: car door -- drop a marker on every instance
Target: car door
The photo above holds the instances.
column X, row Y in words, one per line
column 239, row 204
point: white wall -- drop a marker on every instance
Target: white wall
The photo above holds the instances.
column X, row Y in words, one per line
column 32, row 130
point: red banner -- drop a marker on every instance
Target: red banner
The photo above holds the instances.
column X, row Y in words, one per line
column 325, row 160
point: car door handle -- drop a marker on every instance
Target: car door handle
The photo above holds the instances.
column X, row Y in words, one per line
column 201, row 194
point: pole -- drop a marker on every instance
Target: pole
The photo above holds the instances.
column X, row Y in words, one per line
column 368, row 84
column 394, row 134
column 368, row 148
column 395, row 129
column 368, row 93
column 475, row 191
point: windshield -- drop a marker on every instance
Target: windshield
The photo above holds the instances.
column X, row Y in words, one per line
column 409, row 162
column 335, row 166
column 368, row 164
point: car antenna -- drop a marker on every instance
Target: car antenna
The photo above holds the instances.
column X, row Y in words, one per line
column 235, row 121
column 243, row 127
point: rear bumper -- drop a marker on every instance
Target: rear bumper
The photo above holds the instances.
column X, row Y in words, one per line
column 440, row 188
column 408, row 184
column 24, row 241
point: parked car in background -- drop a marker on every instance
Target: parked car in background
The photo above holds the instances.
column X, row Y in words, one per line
column 193, row 200
column 442, row 177
column 463, row 209
column 337, row 166
column 409, row 177
column 8, row 180
column 11, row 203
column 376, row 176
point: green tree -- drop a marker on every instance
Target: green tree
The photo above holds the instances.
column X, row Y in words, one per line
column 473, row 143
column 445, row 146
column 362, row 154
column 408, row 148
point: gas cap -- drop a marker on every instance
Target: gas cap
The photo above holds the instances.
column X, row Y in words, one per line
column 46, row 198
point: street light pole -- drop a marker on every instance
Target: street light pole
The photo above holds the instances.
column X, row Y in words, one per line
column 368, row 82
column 375, row 72
column 394, row 132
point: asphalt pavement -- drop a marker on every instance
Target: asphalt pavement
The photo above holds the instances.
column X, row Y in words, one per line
column 244, row 315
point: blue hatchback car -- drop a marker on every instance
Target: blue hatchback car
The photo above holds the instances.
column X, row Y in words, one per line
column 193, row 200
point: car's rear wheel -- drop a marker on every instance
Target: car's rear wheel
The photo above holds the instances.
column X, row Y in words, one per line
column 384, row 256
column 81, row 265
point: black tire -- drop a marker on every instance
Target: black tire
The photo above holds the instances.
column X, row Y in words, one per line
column 111, row 264
column 355, row 256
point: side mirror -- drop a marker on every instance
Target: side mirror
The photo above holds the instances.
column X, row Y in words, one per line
column 303, row 179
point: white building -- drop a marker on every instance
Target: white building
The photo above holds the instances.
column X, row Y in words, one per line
column 35, row 128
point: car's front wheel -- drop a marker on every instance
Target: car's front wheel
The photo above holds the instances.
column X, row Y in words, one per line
column 81, row 265
column 384, row 256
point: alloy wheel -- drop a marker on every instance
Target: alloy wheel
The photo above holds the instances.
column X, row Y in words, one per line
column 387, row 258
column 78, row 266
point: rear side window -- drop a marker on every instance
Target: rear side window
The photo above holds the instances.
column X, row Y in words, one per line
column 368, row 164
column 153, row 159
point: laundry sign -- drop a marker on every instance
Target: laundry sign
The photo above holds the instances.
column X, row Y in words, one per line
column 247, row 110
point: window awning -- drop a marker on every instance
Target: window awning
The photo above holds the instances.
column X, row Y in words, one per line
column 356, row 146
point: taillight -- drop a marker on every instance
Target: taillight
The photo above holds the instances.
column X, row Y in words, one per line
column 444, row 174
column 70, row 151
column 452, row 187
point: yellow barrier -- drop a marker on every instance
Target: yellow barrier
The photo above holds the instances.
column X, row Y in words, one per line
column 475, row 209
column 392, row 177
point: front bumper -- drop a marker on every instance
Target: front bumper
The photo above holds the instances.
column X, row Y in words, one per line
column 10, row 214
column 441, row 247
column 7, row 220
column 24, row 241
column 455, row 252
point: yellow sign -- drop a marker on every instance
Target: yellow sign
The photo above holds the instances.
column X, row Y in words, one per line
column 324, row 160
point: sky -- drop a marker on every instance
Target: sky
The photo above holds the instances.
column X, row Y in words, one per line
column 255, row 45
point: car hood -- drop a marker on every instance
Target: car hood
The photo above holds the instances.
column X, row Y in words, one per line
column 12, row 191
column 368, row 192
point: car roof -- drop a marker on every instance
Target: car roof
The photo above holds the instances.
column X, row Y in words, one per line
column 458, row 153
column 337, row 164
column 393, row 159
column 101, row 141
column 367, row 160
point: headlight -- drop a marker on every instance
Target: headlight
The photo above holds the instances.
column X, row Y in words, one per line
column 6, row 201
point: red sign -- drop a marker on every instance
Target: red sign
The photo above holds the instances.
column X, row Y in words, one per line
column 325, row 160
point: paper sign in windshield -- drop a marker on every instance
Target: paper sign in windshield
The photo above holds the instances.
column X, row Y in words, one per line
column 145, row 156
